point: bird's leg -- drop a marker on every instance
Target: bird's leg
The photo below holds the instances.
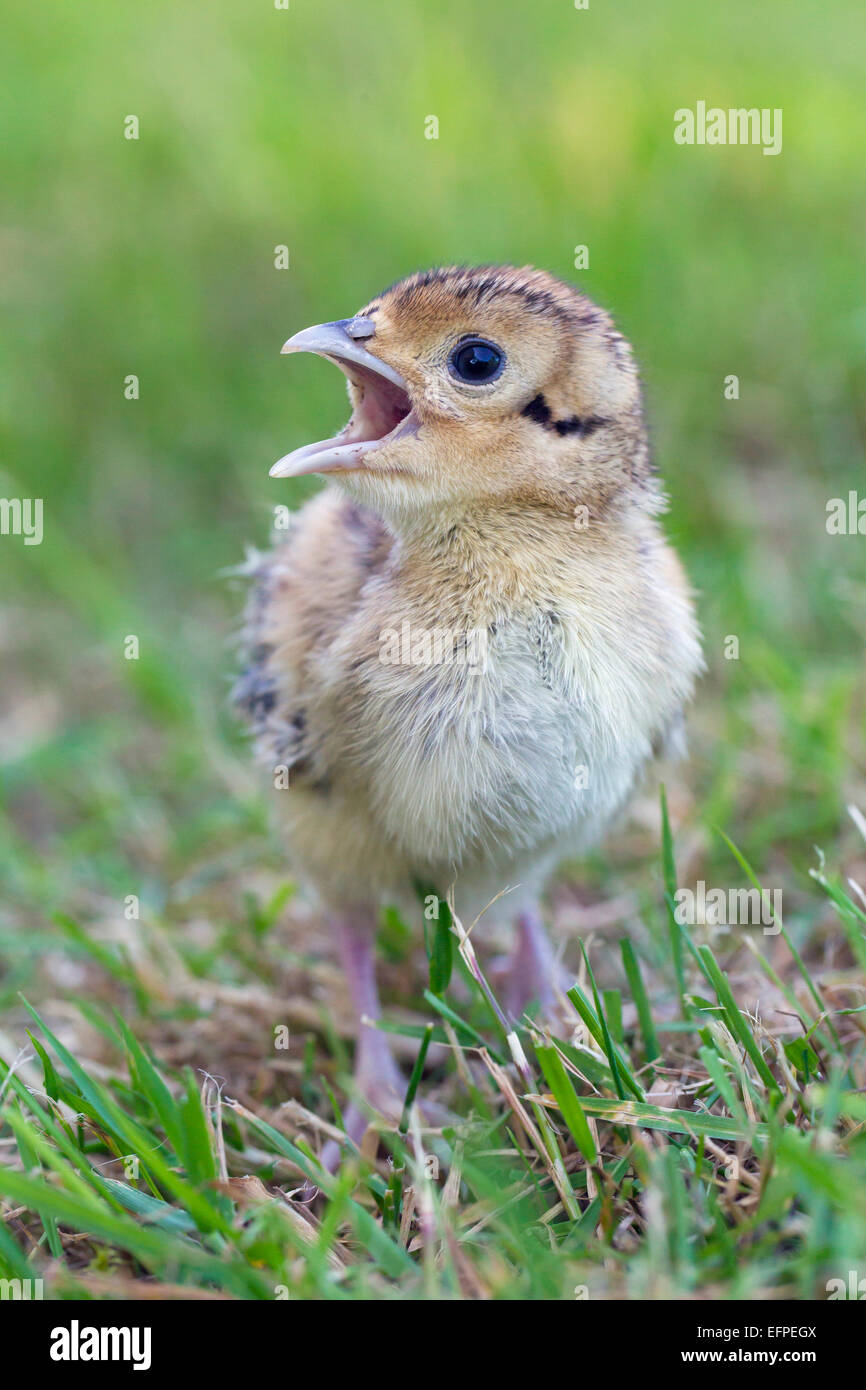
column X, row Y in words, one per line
column 532, row 974
column 379, row 1082
column 378, row 1079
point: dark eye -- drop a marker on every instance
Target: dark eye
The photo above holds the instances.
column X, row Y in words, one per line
column 476, row 361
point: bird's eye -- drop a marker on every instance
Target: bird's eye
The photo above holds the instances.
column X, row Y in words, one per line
column 476, row 361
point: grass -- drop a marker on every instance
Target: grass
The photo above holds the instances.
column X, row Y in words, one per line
column 693, row 1129
column 583, row 1161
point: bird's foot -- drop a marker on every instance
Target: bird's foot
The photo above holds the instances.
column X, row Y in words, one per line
column 532, row 978
column 380, row 1090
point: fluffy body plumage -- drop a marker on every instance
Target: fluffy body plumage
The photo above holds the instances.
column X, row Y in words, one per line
column 520, row 513
column 480, row 774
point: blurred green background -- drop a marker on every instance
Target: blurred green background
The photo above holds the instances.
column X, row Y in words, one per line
column 261, row 127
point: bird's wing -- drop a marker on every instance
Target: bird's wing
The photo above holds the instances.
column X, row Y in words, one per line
column 303, row 591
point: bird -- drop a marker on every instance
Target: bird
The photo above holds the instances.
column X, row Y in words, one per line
column 476, row 636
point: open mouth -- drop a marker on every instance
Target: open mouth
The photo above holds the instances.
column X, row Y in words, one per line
column 382, row 410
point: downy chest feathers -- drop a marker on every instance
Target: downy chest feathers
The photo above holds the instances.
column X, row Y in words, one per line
column 505, row 699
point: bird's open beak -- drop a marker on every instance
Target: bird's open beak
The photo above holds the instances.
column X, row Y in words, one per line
column 382, row 410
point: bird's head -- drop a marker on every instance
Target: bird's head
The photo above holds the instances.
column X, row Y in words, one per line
column 481, row 386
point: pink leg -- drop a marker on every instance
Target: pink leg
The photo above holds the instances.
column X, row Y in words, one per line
column 532, row 969
column 377, row 1076
column 378, row 1080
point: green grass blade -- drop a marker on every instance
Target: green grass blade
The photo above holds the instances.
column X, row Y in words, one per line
column 130, row 1133
column 736, row 1020
column 642, row 1003
column 669, row 876
column 567, row 1099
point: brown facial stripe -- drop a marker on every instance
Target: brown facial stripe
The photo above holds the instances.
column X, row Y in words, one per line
column 539, row 411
